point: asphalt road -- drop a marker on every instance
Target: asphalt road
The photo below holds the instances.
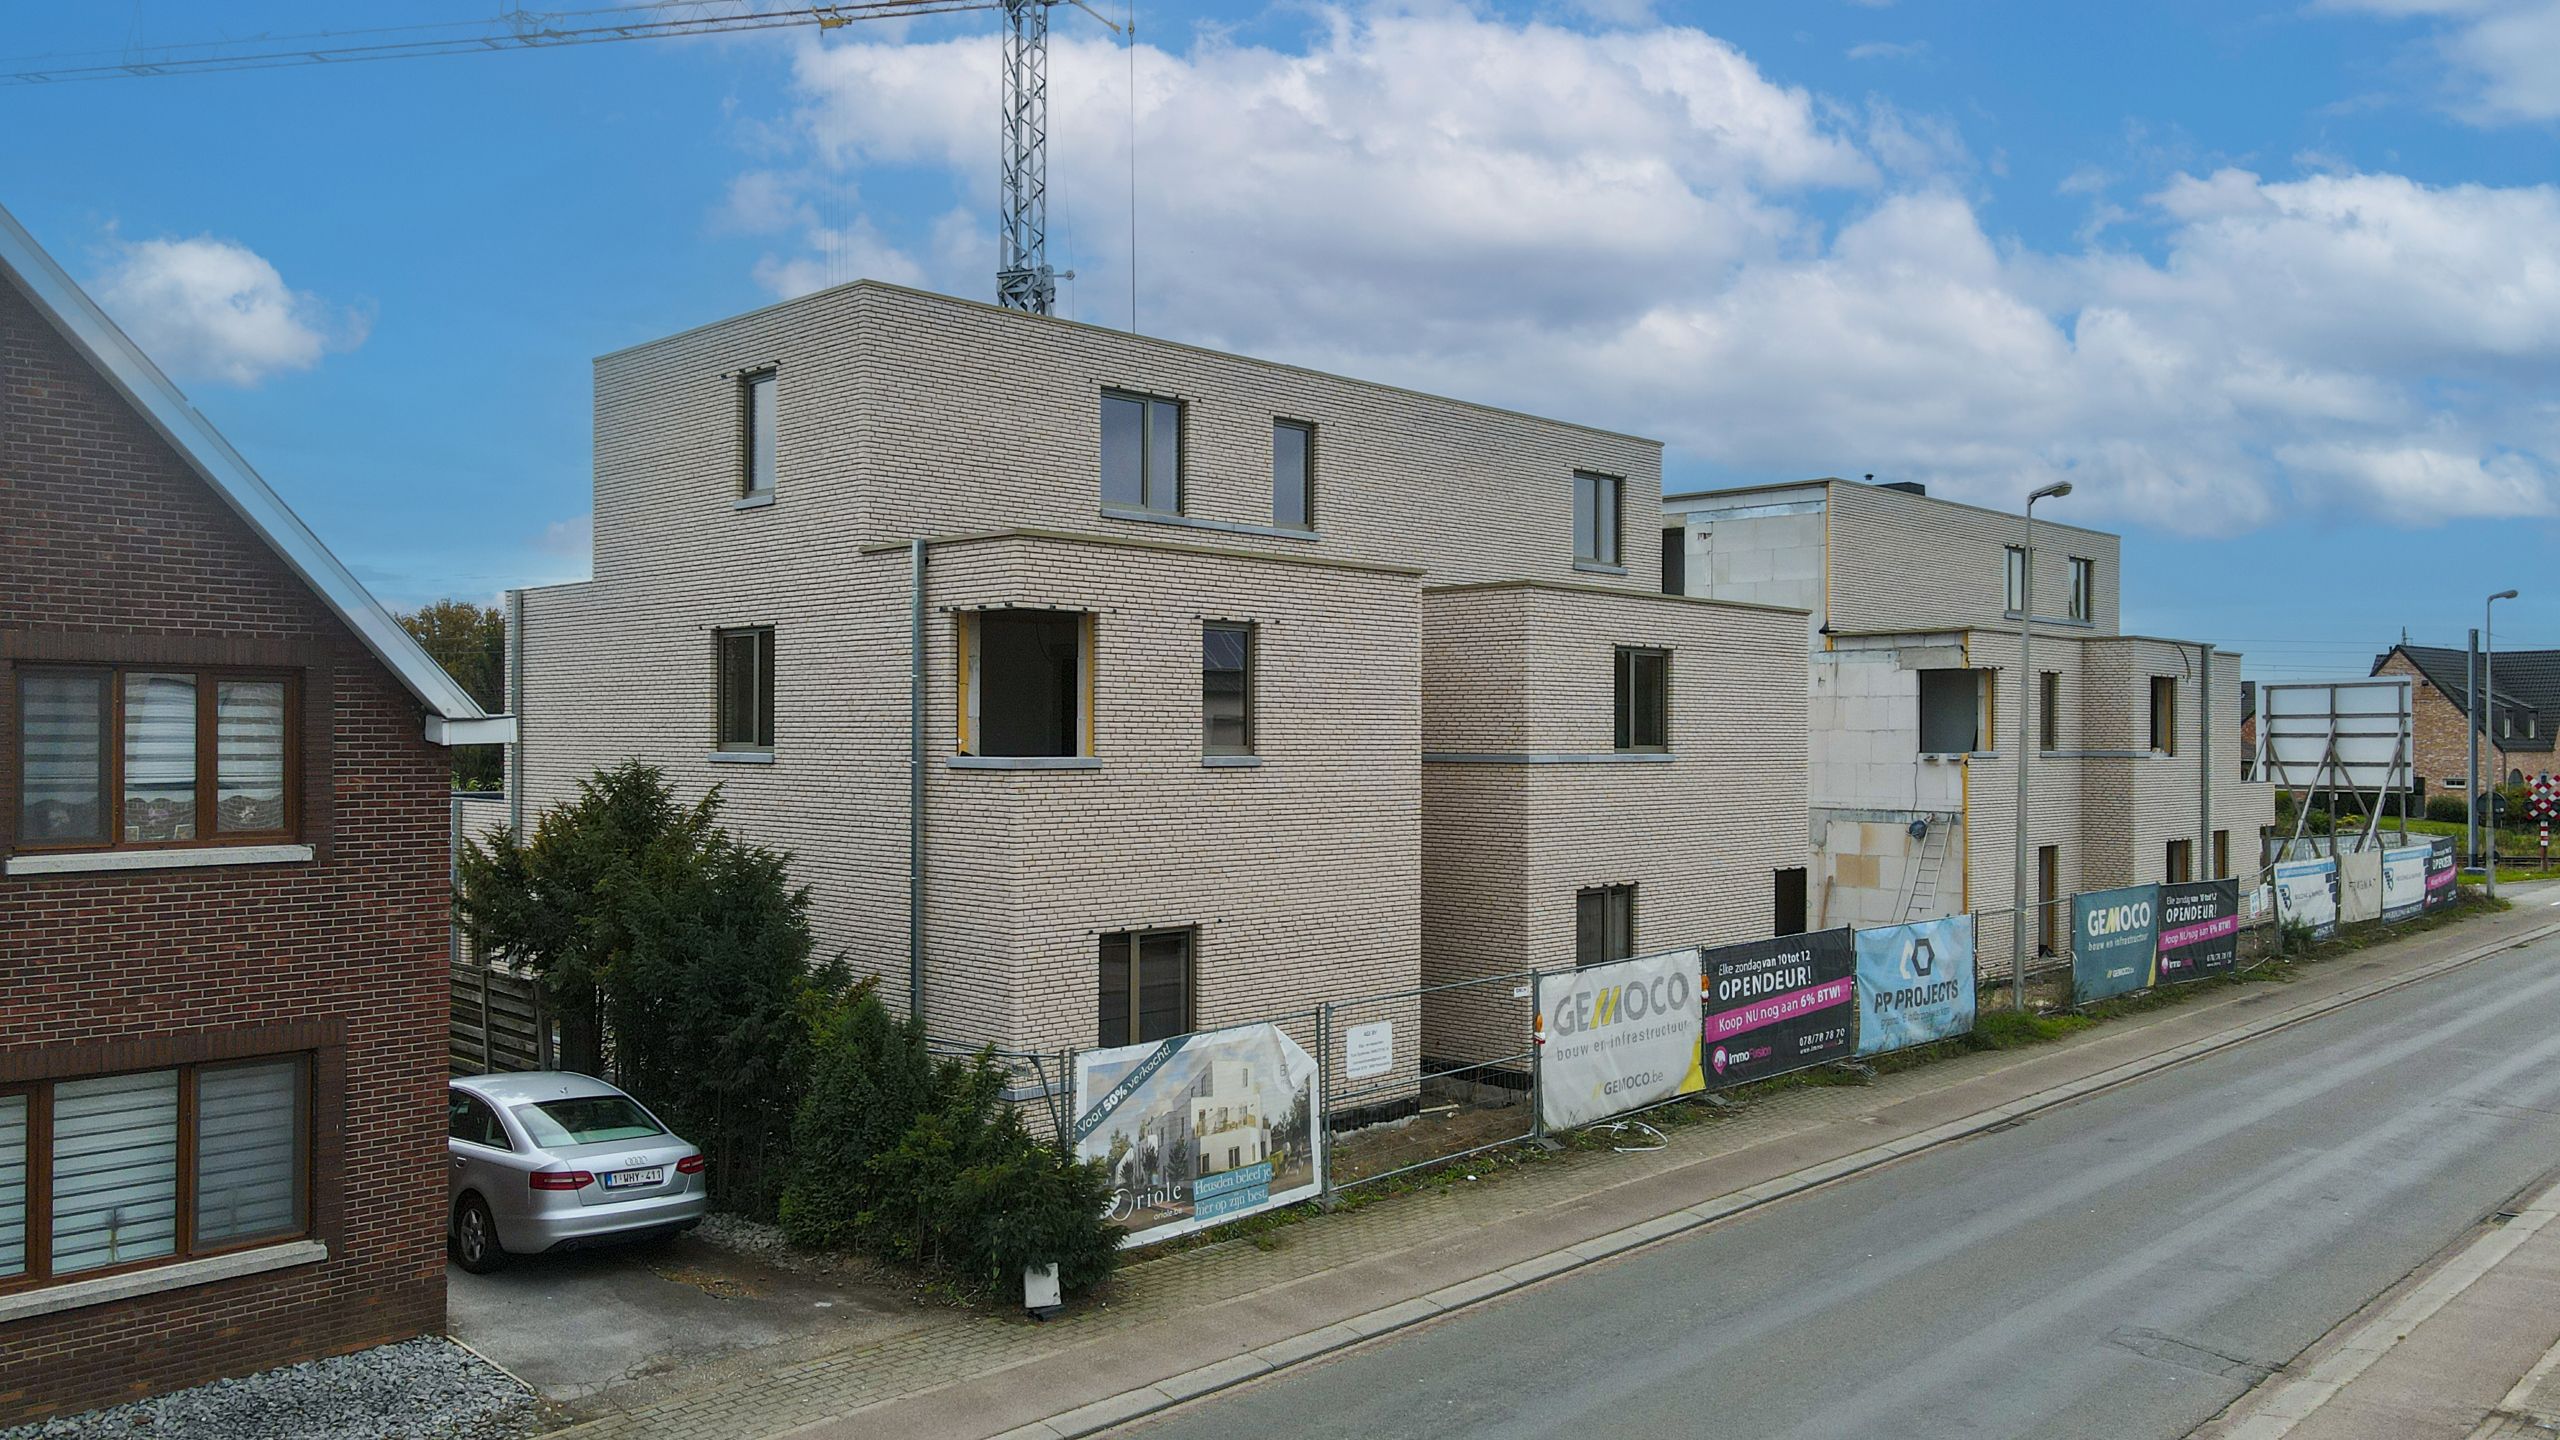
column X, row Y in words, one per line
column 2123, row 1267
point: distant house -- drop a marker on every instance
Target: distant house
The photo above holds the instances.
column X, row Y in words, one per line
column 2523, row 716
column 223, row 897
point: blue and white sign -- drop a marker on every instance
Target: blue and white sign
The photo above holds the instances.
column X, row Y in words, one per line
column 1915, row 984
column 2307, row 894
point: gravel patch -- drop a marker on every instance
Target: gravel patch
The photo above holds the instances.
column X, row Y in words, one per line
column 425, row 1389
column 752, row 1238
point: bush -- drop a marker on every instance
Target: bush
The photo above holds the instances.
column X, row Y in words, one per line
column 921, row 1161
column 2450, row 809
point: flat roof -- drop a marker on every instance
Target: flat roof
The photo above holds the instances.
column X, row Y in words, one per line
column 1577, row 587
column 890, row 288
column 1773, row 486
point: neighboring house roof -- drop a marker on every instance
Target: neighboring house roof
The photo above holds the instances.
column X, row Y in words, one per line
column 453, row 717
column 2527, row 683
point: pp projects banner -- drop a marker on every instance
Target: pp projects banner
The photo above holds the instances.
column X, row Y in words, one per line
column 1915, row 984
column 1200, row 1128
column 2442, row 872
column 1617, row 1037
column 2404, row 881
column 2115, row 942
column 2307, row 894
column 1779, row 1005
column 2199, row 929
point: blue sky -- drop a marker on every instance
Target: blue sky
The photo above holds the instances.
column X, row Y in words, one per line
column 2277, row 286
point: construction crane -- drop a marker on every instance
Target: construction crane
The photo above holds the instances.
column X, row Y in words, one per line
column 1024, row 279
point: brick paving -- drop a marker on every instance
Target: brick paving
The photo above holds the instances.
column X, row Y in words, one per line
column 804, row 1390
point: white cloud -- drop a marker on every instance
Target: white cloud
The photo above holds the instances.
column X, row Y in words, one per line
column 216, row 308
column 2498, row 57
column 1640, row 229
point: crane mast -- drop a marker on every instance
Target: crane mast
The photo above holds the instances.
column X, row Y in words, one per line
column 1024, row 280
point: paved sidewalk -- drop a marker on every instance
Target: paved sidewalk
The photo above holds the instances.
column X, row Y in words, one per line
column 1187, row 1322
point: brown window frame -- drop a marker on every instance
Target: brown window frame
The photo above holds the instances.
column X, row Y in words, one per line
column 1135, row 941
column 208, row 781
column 2164, row 714
column 2178, row 861
column 1610, row 898
column 2049, row 711
column 2049, row 899
column 767, row 654
column 38, row 1273
column 1626, row 708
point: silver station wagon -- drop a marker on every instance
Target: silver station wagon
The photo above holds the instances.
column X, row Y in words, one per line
column 548, row 1160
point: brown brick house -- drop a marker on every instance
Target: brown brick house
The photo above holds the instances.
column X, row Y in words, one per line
column 222, row 897
column 2525, row 713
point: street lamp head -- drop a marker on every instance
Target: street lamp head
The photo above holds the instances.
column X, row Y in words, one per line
column 2054, row 491
column 2504, row 595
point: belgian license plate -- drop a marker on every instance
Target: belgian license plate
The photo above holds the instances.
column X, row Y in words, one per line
column 625, row 1179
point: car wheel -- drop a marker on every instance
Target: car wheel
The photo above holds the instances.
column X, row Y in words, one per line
column 474, row 1241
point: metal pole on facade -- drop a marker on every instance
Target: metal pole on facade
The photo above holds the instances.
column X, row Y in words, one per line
column 1324, row 1110
column 2026, row 737
column 2489, row 691
column 1537, row 1061
column 915, row 785
column 2471, row 776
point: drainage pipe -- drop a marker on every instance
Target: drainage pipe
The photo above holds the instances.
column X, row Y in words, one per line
column 915, row 780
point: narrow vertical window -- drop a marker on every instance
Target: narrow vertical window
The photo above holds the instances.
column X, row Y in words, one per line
column 2048, row 898
column 159, row 758
column 745, row 721
column 2221, row 854
column 1595, row 517
column 2049, row 707
column 2083, row 587
column 1226, row 689
column 2017, row 579
column 115, row 1171
column 2180, row 865
column 249, row 747
column 1643, row 720
column 1293, row 474
column 764, row 427
column 2164, row 714
column 62, row 756
column 1604, row 924
column 13, row 1185
column 1141, row 452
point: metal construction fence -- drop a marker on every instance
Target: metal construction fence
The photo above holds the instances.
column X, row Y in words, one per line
column 1203, row 1128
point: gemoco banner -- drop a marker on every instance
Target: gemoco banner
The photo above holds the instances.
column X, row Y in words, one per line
column 2115, row 942
column 2307, row 894
column 2442, row 872
column 1617, row 1037
column 2404, row 881
column 2199, row 929
column 1915, row 984
column 1199, row 1129
column 1779, row 1005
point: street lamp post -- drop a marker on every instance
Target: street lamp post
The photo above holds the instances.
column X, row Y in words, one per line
column 2026, row 737
column 2486, row 700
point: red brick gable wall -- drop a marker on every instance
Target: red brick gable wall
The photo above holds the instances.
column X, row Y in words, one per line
column 2442, row 744
column 110, row 549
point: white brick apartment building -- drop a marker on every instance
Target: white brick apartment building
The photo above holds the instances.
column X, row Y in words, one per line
column 1244, row 687
column 1912, row 621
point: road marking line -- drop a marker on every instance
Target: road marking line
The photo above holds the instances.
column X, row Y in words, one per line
column 2297, row 1401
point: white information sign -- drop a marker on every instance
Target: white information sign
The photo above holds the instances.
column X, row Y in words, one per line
column 1369, row 1050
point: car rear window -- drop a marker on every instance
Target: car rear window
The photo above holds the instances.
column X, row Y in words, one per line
column 586, row 1120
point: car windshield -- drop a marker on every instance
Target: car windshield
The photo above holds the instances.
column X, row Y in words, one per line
column 586, row 1120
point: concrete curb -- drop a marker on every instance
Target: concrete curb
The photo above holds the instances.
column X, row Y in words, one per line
column 1128, row 1405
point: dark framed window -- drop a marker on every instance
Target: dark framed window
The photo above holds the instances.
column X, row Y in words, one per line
column 1226, row 688
column 1788, row 902
column 2084, row 587
column 760, row 409
column 1675, row 560
column 2048, row 898
column 138, row 757
column 2017, row 584
column 1595, row 517
column 1026, row 683
column 1145, row 986
column 746, row 688
column 2221, row 854
column 1141, row 451
column 2179, row 866
column 1951, row 706
column 2164, row 714
column 1293, row 474
column 109, row 1173
column 1643, row 699
column 2049, row 703
column 1604, row 924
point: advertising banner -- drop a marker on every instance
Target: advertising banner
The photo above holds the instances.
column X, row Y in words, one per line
column 2307, row 894
column 2442, row 872
column 1199, row 1128
column 2359, row 886
column 2199, row 929
column 2404, row 881
column 2115, row 942
column 1915, row 984
column 1779, row 1005
column 1617, row 1037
